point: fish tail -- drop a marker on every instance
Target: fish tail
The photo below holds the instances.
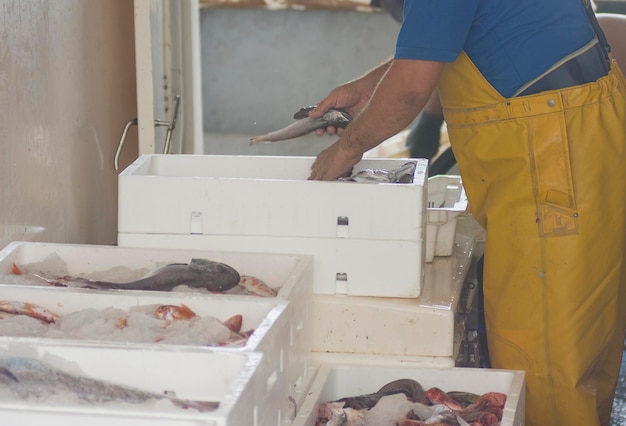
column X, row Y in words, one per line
column 202, row 406
column 234, row 323
column 16, row 270
column 187, row 311
column 7, row 373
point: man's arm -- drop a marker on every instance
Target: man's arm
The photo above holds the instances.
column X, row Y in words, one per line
column 398, row 98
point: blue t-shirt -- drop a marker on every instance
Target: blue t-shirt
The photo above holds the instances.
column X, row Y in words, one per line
column 510, row 41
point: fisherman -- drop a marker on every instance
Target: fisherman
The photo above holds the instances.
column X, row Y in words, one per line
column 423, row 140
column 536, row 115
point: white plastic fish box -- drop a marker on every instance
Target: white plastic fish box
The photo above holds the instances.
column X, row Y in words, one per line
column 446, row 200
column 333, row 382
column 228, row 378
column 423, row 327
column 288, row 345
column 366, row 239
column 268, row 318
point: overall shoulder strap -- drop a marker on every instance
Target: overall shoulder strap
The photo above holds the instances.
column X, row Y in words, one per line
column 596, row 26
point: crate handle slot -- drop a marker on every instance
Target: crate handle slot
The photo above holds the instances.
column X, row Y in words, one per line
column 341, row 283
column 195, row 223
column 342, row 226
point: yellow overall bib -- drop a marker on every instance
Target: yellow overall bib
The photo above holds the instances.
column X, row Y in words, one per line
column 545, row 175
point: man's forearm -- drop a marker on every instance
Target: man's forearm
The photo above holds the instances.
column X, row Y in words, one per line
column 403, row 89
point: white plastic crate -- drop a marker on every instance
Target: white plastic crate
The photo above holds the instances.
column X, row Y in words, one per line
column 287, row 342
column 266, row 204
column 422, row 327
column 338, row 381
column 446, row 200
column 268, row 317
column 228, row 378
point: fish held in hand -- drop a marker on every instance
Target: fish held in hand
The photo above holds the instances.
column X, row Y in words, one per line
column 199, row 273
column 28, row 378
column 305, row 124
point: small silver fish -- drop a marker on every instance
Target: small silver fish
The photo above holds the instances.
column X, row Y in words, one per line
column 305, row 124
column 403, row 174
column 199, row 273
column 30, row 378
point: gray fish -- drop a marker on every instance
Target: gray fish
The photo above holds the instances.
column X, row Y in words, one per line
column 403, row 174
column 30, row 378
column 199, row 273
column 409, row 387
column 305, row 124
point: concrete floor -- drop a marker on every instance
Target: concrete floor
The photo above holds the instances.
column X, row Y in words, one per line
column 618, row 417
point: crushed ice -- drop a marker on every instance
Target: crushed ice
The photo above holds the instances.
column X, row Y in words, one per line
column 137, row 325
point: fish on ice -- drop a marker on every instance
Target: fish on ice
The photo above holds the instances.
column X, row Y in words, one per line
column 402, row 174
column 174, row 312
column 352, row 411
column 29, row 378
column 256, row 286
column 199, row 273
column 29, row 309
column 404, row 403
column 305, row 124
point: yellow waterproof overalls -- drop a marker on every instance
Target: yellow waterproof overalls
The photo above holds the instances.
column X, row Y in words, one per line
column 545, row 175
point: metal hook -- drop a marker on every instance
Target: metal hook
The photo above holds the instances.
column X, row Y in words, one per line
column 171, row 126
column 168, row 136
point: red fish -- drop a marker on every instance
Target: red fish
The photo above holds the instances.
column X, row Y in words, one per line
column 234, row 323
column 256, row 286
column 25, row 308
column 174, row 313
column 16, row 270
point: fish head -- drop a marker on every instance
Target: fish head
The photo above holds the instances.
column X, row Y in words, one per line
column 337, row 117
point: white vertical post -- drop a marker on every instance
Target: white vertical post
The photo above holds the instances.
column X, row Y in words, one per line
column 143, row 63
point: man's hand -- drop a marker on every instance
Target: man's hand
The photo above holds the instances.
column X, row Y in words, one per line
column 333, row 162
column 351, row 97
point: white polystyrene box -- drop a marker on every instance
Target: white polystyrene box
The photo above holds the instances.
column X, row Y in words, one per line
column 446, row 200
column 268, row 317
column 333, row 382
column 266, row 204
column 421, row 327
column 228, row 378
column 287, row 341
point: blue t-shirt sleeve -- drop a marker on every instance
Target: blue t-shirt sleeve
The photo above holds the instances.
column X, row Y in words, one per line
column 435, row 30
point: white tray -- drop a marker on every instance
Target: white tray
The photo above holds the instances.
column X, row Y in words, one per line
column 446, row 201
column 228, row 378
column 338, row 381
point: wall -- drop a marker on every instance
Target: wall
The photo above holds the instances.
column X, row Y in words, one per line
column 67, row 88
column 261, row 66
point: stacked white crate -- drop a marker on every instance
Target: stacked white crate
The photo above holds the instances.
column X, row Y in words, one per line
column 274, row 320
column 388, row 331
column 373, row 235
column 233, row 380
column 266, row 204
column 339, row 381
